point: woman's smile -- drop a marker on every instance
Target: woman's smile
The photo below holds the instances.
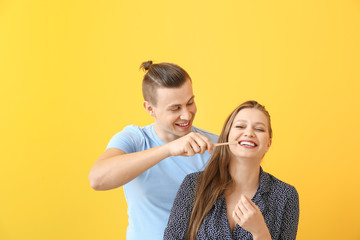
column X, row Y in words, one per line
column 247, row 144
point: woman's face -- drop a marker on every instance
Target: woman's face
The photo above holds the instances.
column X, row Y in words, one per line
column 250, row 129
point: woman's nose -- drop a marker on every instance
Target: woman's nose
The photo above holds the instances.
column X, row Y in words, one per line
column 249, row 133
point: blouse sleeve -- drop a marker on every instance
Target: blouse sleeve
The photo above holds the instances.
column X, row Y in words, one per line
column 291, row 216
column 181, row 209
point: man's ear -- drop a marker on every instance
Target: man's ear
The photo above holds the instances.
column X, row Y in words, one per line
column 149, row 108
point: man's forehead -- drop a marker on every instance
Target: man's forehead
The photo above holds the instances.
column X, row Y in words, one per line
column 171, row 96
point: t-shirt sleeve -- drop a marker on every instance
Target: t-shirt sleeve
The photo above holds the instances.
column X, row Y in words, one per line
column 127, row 140
column 291, row 216
column 181, row 209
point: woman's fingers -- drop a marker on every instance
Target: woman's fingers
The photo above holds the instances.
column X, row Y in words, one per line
column 243, row 208
column 236, row 217
column 247, row 204
column 244, row 211
column 249, row 216
column 240, row 213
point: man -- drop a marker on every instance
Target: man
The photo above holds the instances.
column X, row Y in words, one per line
column 152, row 161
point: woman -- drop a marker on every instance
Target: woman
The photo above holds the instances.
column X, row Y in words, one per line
column 233, row 198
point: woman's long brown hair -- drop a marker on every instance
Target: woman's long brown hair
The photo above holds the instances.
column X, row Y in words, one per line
column 216, row 178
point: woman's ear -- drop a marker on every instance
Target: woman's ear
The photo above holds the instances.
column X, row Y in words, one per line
column 269, row 144
column 149, row 108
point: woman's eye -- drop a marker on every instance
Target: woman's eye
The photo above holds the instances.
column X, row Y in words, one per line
column 261, row 130
column 190, row 103
column 175, row 109
column 241, row 127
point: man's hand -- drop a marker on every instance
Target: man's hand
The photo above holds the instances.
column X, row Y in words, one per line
column 190, row 144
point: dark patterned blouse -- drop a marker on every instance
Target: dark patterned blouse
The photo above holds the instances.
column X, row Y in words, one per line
column 278, row 202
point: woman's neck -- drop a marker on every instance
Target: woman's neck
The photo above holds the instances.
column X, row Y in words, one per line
column 245, row 175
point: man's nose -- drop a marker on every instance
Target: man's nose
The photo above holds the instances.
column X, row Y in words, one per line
column 185, row 114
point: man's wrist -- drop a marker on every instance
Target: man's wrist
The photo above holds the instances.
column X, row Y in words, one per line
column 165, row 151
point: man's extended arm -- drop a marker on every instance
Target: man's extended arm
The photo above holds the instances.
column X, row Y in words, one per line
column 115, row 168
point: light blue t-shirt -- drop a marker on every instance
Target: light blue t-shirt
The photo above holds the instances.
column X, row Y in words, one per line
column 150, row 196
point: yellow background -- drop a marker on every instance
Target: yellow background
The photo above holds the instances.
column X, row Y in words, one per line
column 70, row 80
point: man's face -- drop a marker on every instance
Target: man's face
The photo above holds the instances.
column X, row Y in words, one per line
column 174, row 112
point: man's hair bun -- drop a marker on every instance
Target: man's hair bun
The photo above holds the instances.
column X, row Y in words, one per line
column 146, row 65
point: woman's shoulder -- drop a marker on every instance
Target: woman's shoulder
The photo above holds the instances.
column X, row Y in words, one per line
column 280, row 187
column 187, row 188
column 194, row 175
column 192, row 179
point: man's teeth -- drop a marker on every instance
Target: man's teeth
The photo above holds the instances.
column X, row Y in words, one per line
column 250, row 144
column 183, row 124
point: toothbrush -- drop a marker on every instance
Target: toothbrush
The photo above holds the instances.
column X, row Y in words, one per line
column 226, row 143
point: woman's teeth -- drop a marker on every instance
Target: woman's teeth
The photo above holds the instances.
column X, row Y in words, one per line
column 249, row 144
column 183, row 124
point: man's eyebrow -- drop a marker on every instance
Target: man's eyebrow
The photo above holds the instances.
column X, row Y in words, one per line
column 193, row 96
column 178, row 105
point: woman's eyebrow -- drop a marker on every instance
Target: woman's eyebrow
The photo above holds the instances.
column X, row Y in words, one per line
column 244, row 121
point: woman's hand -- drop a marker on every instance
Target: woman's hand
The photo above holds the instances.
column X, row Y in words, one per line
column 249, row 217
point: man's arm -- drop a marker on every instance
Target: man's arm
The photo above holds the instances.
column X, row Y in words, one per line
column 115, row 168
